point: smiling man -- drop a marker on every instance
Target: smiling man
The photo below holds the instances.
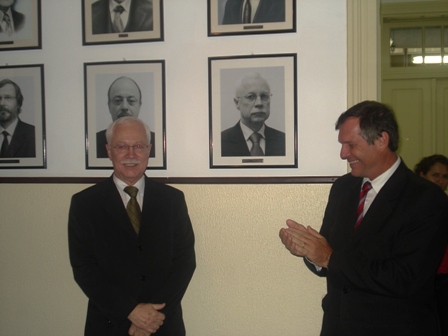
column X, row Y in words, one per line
column 131, row 243
column 382, row 236
column 251, row 136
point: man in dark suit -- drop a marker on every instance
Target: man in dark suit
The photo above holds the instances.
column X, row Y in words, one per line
column 10, row 20
column 379, row 255
column 124, row 98
column 134, row 265
column 264, row 11
column 251, row 136
column 17, row 137
column 121, row 16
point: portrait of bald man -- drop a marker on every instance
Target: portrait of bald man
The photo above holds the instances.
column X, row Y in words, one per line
column 124, row 98
column 250, row 136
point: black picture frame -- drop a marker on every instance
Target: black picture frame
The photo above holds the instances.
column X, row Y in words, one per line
column 27, row 31
column 225, row 73
column 27, row 147
column 97, row 27
column 272, row 16
column 150, row 79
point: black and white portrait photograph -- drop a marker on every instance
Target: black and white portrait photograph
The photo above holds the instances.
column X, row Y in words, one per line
column 119, row 89
column 122, row 21
column 20, row 24
column 253, row 111
column 236, row 17
column 22, row 117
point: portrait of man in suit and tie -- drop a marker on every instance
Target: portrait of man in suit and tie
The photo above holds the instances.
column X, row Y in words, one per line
column 11, row 21
column 251, row 136
column 253, row 11
column 121, row 16
column 18, row 139
column 124, row 98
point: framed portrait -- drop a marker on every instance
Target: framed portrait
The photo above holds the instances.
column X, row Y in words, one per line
column 22, row 117
column 117, row 89
column 130, row 21
column 20, row 25
column 253, row 111
column 237, row 17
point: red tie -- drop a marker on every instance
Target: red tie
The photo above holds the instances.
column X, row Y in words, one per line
column 362, row 199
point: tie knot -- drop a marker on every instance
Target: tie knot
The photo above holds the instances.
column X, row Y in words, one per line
column 119, row 9
column 366, row 186
column 255, row 137
column 131, row 191
column 5, row 133
column 6, row 18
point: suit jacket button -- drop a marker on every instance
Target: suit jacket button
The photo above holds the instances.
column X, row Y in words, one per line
column 143, row 278
column 140, row 248
column 345, row 290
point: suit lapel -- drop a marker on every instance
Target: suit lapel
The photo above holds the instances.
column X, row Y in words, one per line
column 18, row 139
column 385, row 202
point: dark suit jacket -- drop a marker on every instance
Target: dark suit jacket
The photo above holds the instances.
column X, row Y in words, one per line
column 117, row 269
column 140, row 17
column 267, row 11
column 101, row 141
column 23, row 141
column 234, row 144
column 380, row 279
column 18, row 19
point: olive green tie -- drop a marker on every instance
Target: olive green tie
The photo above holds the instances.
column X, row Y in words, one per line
column 133, row 209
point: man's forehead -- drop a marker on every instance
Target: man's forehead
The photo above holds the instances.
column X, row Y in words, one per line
column 7, row 88
column 124, row 87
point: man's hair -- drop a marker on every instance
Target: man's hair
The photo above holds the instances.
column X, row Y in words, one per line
column 374, row 118
column 19, row 96
column 426, row 163
column 124, row 77
column 126, row 120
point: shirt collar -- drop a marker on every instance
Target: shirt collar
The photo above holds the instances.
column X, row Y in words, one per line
column 11, row 128
column 126, row 4
column 381, row 180
column 247, row 132
column 140, row 184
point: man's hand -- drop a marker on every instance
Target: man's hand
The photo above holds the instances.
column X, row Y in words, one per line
column 306, row 242
column 146, row 316
column 134, row 331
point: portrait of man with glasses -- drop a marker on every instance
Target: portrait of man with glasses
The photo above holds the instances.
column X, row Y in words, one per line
column 124, row 99
column 251, row 136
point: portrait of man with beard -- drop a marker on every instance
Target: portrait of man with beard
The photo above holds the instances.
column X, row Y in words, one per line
column 17, row 138
column 124, row 99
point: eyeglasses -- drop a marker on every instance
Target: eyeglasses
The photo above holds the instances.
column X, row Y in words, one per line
column 251, row 97
column 7, row 99
column 119, row 100
column 138, row 148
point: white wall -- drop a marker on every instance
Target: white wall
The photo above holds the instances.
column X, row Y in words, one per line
column 246, row 283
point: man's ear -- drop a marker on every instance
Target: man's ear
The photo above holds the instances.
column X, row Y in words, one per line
column 383, row 140
column 235, row 100
column 109, row 149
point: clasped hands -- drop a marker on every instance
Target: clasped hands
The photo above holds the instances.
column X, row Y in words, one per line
column 306, row 242
column 146, row 319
